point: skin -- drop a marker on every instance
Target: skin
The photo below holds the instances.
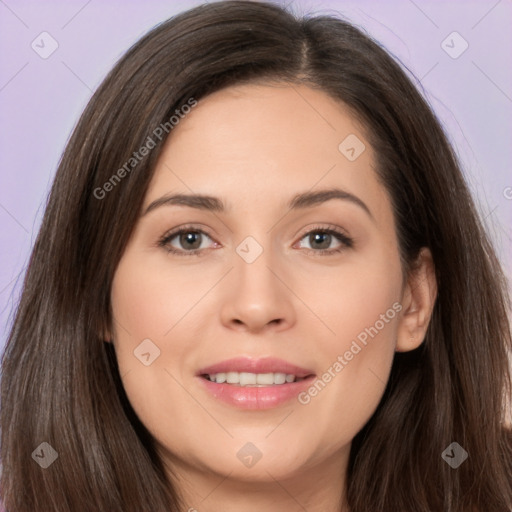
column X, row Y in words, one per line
column 255, row 147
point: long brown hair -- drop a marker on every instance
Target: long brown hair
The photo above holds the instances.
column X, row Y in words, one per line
column 60, row 381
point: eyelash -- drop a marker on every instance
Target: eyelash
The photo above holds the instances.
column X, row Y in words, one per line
column 346, row 242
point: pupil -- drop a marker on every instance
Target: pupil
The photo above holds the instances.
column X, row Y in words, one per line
column 189, row 239
column 321, row 237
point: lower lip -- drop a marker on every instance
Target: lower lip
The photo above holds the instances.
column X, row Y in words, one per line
column 258, row 398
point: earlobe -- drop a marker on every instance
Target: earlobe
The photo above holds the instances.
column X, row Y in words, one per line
column 418, row 301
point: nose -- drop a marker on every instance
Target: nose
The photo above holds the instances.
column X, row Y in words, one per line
column 257, row 297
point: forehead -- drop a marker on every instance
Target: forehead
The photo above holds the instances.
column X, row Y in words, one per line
column 266, row 142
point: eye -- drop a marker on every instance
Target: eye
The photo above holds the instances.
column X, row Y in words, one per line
column 320, row 240
column 191, row 241
column 185, row 241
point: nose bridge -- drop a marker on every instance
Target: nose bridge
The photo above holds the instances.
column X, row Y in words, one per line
column 253, row 263
column 258, row 297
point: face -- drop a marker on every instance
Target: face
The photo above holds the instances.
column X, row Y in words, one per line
column 289, row 270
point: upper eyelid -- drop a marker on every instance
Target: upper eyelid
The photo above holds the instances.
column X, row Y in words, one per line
column 170, row 234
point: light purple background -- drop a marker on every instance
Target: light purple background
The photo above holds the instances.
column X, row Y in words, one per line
column 41, row 99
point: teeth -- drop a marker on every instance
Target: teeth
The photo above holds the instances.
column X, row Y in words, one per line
column 248, row 378
column 252, row 379
column 232, row 378
column 279, row 378
column 267, row 379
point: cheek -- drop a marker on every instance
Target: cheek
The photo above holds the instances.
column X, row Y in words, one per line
column 360, row 306
column 355, row 296
column 147, row 300
column 146, row 306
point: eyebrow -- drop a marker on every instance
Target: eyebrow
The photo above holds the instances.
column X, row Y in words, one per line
column 298, row 202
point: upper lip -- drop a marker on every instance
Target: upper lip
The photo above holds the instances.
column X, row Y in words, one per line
column 262, row 365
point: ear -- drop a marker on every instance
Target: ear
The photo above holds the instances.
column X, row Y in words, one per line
column 418, row 301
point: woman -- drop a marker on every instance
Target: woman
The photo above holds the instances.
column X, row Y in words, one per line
column 181, row 341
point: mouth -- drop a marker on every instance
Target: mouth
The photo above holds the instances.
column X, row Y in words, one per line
column 246, row 371
column 248, row 383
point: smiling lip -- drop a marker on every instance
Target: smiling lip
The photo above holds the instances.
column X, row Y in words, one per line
column 259, row 398
column 264, row 365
